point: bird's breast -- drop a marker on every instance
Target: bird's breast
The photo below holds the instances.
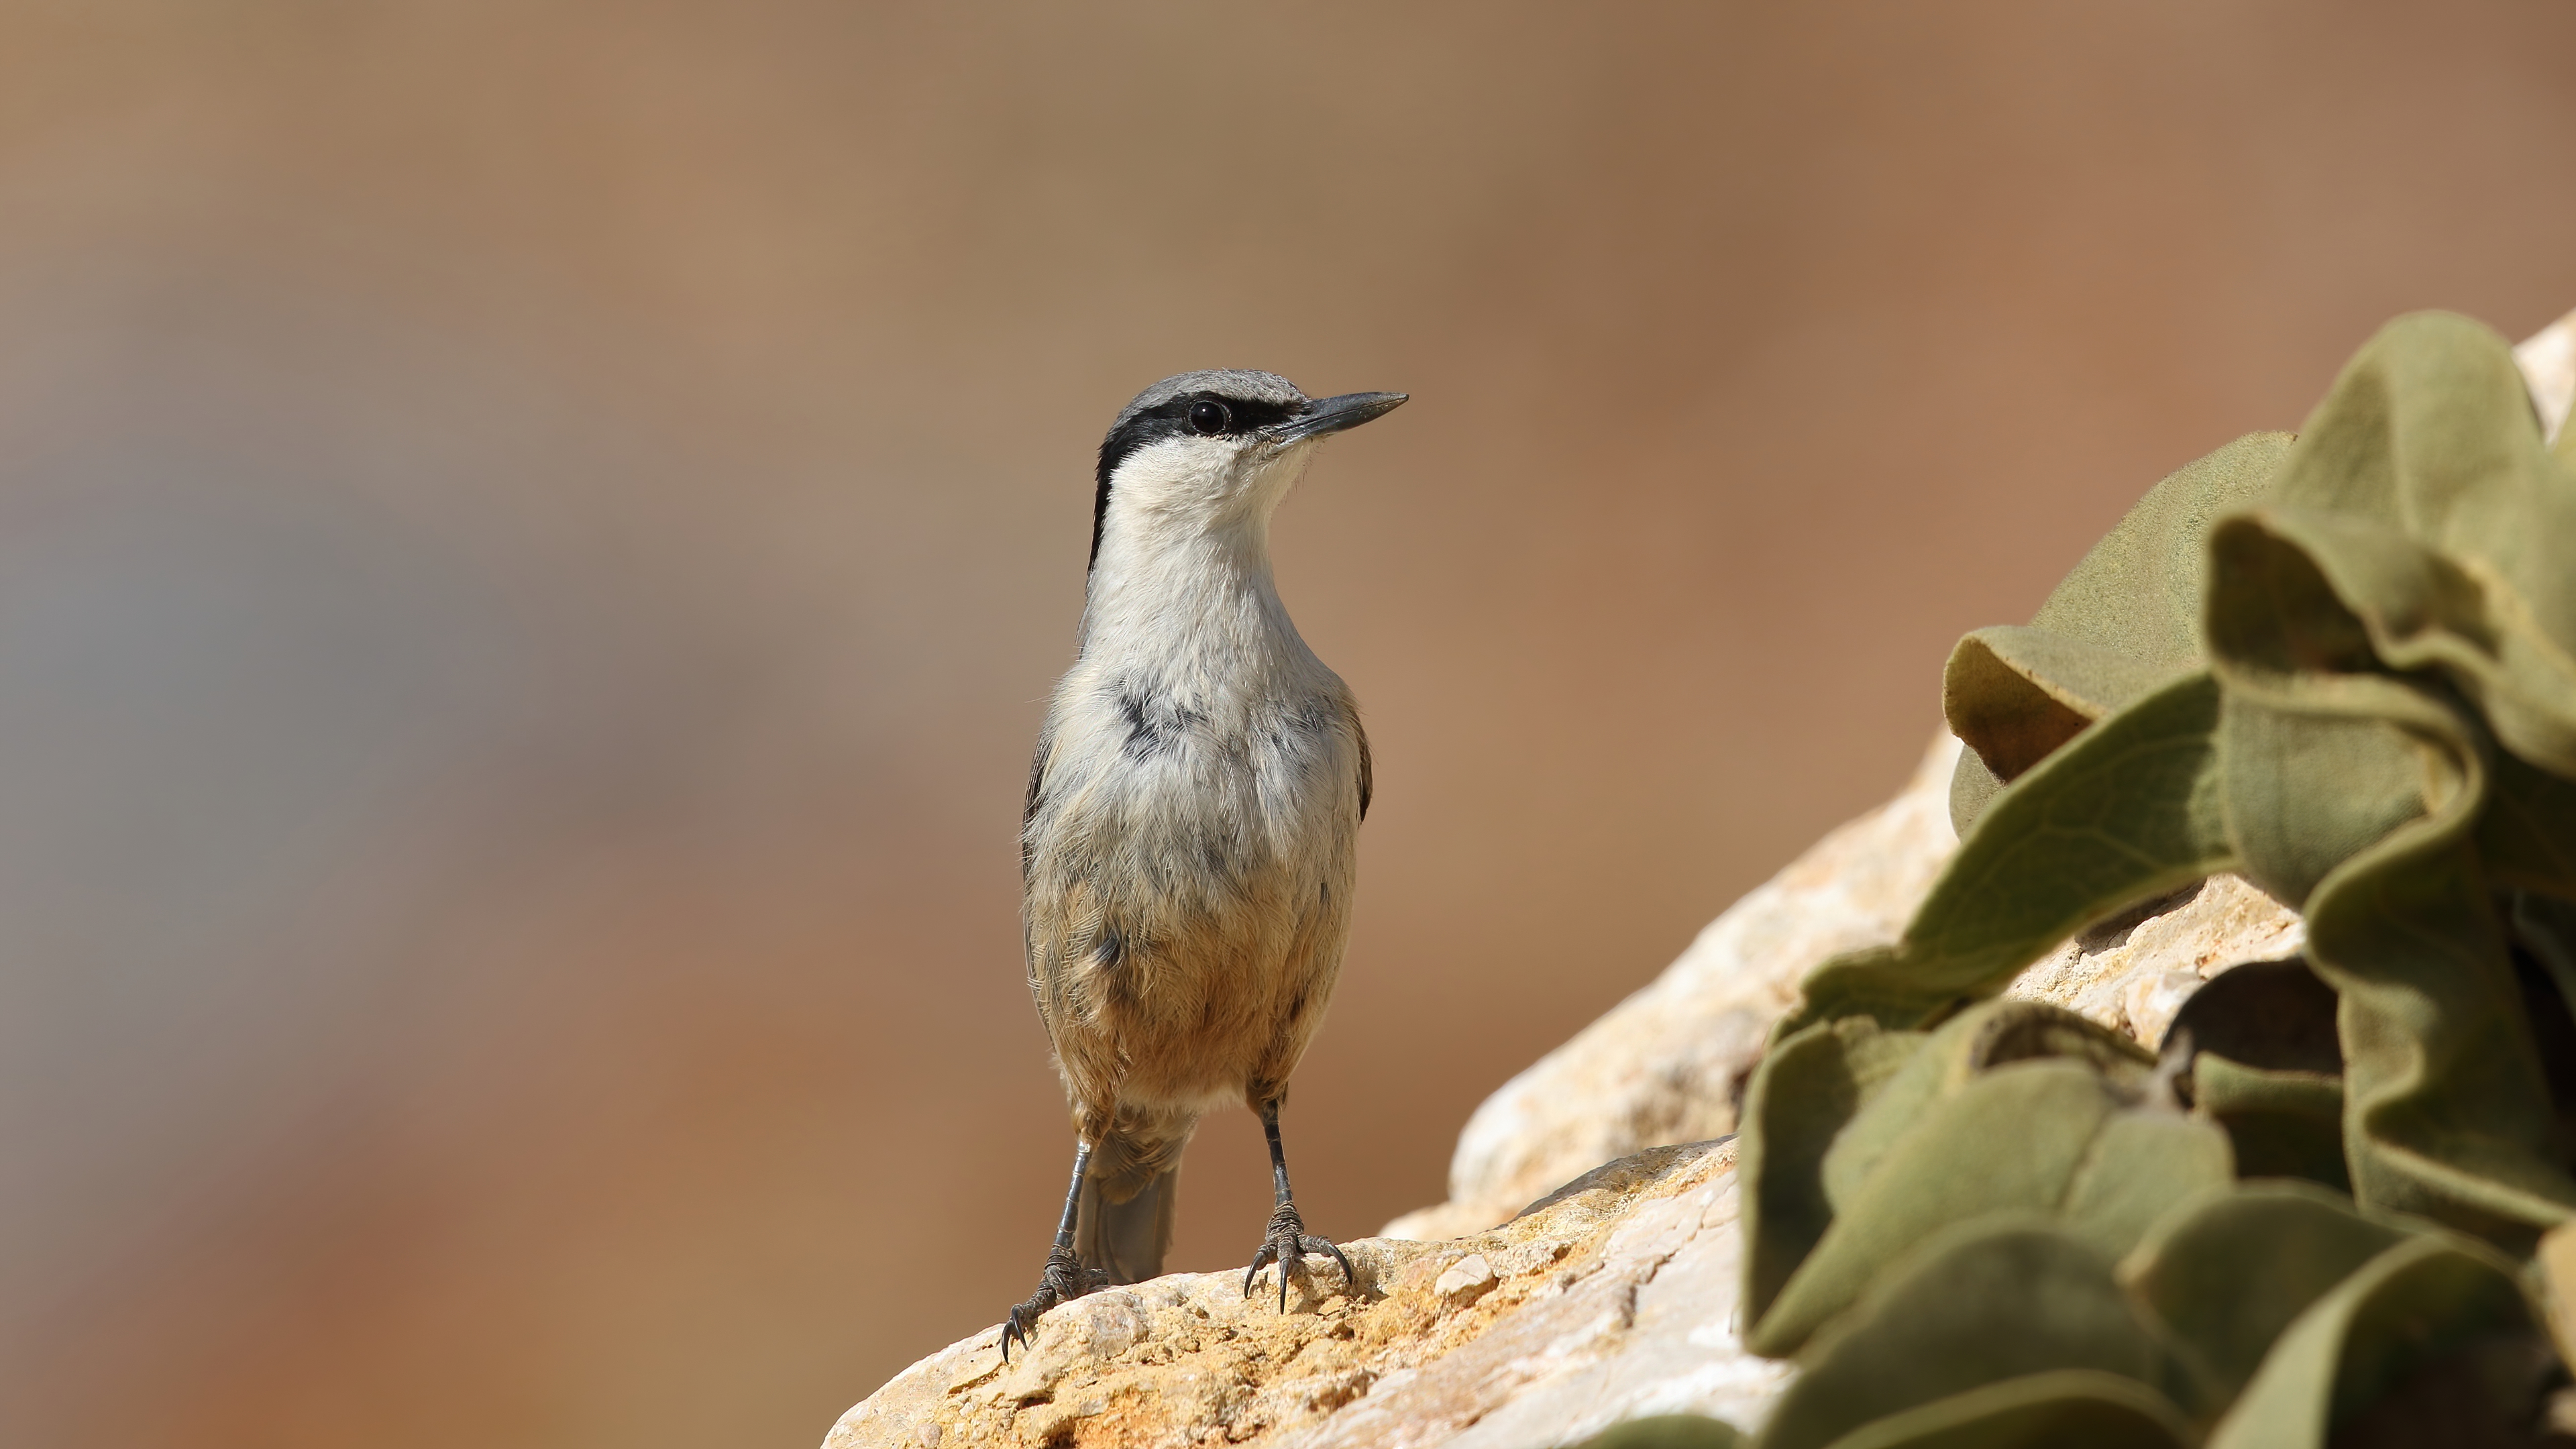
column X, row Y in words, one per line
column 1172, row 783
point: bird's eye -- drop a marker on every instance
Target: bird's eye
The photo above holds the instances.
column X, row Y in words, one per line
column 1209, row 416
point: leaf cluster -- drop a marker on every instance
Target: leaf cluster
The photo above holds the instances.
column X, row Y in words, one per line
column 2342, row 665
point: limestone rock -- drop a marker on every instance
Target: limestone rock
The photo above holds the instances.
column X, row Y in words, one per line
column 1661, row 1066
column 2548, row 362
column 1614, row 1298
column 1466, row 1280
column 2132, row 973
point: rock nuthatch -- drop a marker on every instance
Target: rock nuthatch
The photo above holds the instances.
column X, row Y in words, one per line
column 1187, row 852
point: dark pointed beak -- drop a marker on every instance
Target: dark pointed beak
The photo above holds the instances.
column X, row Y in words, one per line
column 1333, row 414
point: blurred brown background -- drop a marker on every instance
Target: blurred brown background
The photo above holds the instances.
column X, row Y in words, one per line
column 533, row 535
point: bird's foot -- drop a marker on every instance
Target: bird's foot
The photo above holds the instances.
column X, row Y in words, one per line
column 1065, row 1278
column 1288, row 1245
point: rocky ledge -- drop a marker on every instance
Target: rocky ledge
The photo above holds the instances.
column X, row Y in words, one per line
column 1513, row 1316
column 1613, row 1296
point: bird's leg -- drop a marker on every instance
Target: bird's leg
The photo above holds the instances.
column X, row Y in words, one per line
column 1065, row 1277
column 1288, row 1242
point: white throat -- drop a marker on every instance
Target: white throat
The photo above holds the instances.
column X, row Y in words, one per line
column 1183, row 576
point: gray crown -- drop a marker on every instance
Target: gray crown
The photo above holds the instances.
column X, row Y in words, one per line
column 1233, row 382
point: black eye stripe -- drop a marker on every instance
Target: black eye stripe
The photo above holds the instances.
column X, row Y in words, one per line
column 1172, row 420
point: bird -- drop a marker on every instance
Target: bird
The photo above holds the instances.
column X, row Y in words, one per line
column 1188, row 842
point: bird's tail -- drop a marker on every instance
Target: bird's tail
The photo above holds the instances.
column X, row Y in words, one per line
column 1128, row 1203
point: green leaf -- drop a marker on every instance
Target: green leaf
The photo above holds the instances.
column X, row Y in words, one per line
column 2423, row 494
column 2037, row 1411
column 2527, row 837
column 2001, row 1306
column 2124, row 621
column 2446, row 1111
column 2393, row 629
column 2426, row 1297
column 2225, row 1274
column 2034, row 1122
column 2281, row 1123
column 2126, row 813
column 2015, row 1107
column 1800, row 1098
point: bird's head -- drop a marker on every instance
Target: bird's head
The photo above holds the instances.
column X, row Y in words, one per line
column 1204, row 450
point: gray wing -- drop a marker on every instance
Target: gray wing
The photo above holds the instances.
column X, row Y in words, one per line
column 1037, row 792
column 1368, row 770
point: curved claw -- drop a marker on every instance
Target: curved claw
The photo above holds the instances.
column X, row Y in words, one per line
column 1262, row 1257
column 1326, row 1245
column 1065, row 1279
column 1288, row 1245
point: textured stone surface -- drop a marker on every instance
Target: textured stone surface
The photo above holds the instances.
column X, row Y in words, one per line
column 2548, row 362
column 2133, row 973
column 1660, row 1066
column 1646, row 1325
column 1613, row 1299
